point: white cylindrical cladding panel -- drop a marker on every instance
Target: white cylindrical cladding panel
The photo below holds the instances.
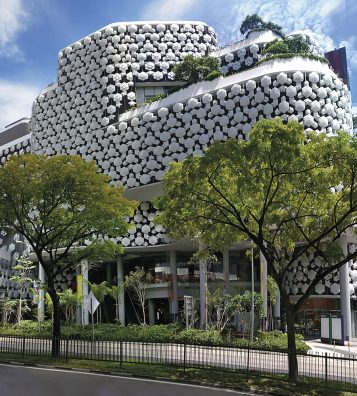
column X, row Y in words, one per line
column 345, row 291
column 120, row 280
column 173, row 270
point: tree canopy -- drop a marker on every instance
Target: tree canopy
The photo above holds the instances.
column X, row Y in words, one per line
column 61, row 204
column 255, row 22
column 193, row 69
column 282, row 189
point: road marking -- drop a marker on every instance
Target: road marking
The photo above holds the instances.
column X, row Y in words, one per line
column 74, row 371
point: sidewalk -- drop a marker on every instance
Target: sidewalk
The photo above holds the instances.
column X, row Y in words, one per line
column 344, row 351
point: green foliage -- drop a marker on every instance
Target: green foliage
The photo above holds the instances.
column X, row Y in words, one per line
column 274, row 189
column 254, row 22
column 57, row 203
column 100, row 290
column 137, row 281
column 354, row 119
column 69, row 302
column 213, row 75
column 276, row 47
column 193, row 69
column 155, row 98
column 289, row 45
column 292, row 55
column 159, row 333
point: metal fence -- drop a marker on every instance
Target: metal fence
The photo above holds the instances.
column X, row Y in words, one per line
column 322, row 370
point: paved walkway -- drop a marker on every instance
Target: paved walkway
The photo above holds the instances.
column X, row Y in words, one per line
column 349, row 349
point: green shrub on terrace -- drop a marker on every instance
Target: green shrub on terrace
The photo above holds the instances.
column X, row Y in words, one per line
column 292, row 55
column 155, row 98
column 193, row 70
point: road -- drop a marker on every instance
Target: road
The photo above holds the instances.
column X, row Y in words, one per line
column 33, row 381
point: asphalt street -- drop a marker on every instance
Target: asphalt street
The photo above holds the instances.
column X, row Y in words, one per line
column 33, row 381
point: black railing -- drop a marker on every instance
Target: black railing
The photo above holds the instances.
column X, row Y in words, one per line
column 330, row 370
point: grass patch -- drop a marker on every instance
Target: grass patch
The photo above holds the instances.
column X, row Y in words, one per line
column 235, row 380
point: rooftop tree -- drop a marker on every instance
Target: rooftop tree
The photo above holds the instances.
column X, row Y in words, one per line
column 280, row 189
column 61, row 204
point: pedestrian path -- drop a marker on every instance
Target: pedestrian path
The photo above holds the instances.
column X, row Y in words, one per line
column 347, row 350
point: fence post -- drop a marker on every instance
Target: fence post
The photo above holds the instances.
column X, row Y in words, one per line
column 184, row 357
column 23, row 346
column 121, row 353
column 326, row 369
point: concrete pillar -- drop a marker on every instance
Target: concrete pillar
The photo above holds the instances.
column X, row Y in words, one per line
column 173, row 270
column 121, row 301
column 151, row 312
column 226, row 271
column 345, row 299
column 264, row 288
column 108, row 272
column 203, row 294
column 41, row 294
column 84, row 271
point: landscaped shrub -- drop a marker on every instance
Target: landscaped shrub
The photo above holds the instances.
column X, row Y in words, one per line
column 192, row 70
column 270, row 341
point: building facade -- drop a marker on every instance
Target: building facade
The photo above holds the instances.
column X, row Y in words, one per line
column 96, row 109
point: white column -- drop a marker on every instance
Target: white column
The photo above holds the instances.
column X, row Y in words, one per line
column 121, row 301
column 84, row 271
column 41, row 294
column 264, row 287
column 203, row 294
column 345, row 300
column 226, row 271
column 151, row 312
column 173, row 270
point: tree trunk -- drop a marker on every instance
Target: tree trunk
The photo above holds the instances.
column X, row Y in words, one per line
column 56, row 323
column 293, row 364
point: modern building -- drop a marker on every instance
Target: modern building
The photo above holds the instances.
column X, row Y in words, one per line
column 96, row 109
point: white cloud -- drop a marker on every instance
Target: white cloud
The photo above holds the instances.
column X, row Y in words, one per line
column 15, row 101
column 12, row 21
column 351, row 49
column 160, row 10
column 313, row 16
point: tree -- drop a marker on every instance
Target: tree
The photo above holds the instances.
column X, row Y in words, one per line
column 221, row 308
column 254, row 22
column 193, row 69
column 354, row 119
column 100, row 291
column 113, row 292
column 287, row 192
column 69, row 302
column 60, row 204
column 22, row 277
column 138, row 281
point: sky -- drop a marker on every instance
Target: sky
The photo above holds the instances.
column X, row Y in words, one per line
column 32, row 32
